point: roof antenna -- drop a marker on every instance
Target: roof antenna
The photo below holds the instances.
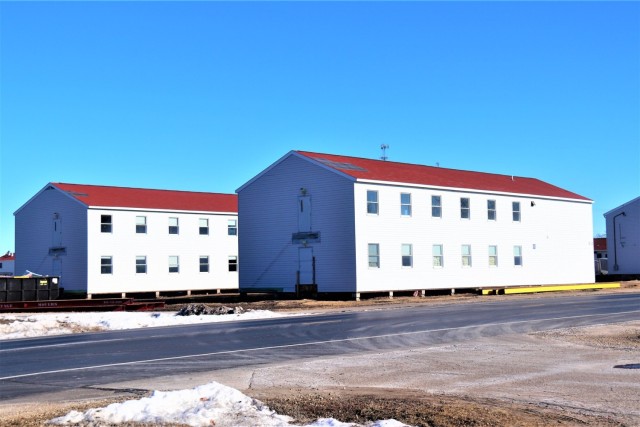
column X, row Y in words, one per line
column 384, row 147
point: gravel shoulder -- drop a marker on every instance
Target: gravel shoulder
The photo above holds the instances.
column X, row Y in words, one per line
column 568, row 377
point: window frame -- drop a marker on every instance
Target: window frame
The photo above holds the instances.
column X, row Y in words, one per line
column 233, row 263
column 517, row 256
column 436, row 207
column 493, row 256
column 106, row 266
column 465, row 209
column 232, row 227
column 174, row 229
column 203, row 230
column 405, row 207
column 373, row 205
column 374, row 256
column 174, row 268
column 106, row 226
column 405, row 257
column 437, row 256
column 516, row 211
column 466, row 254
column 143, row 264
column 492, row 212
column 204, row 266
column 141, row 228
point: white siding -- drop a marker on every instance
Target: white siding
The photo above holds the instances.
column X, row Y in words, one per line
column 268, row 216
column 123, row 244
column 555, row 236
column 625, row 245
column 35, row 236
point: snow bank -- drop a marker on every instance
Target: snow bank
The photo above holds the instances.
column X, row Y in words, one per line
column 208, row 405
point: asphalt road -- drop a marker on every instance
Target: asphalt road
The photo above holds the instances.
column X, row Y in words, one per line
column 37, row 366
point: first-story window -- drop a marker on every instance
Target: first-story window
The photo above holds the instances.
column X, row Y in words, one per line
column 517, row 256
column 173, row 225
column 438, row 258
column 204, row 226
column 232, row 227
column 491, row 210
column 516, row 211
column 174, row 264
column 204, row 264
column 465, row 208
column 407, row 255
column 141, row 264
column 106, row 265
column 372, row 202
column 493, row 256
column 466, row 255
column 405, row 204
column 233, row 263
column 374, row 255
column 141, row 224
column 106, row 226
column 436, row 207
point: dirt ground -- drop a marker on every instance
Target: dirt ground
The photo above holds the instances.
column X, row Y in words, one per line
column 569, row 377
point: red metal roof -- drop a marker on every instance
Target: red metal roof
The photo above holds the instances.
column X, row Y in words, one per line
column 8, row 257
column 599, row 243
column 378, row 170
column 103, row 196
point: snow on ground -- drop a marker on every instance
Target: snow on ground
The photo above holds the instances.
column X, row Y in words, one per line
column 24, row 325
column 208, row 405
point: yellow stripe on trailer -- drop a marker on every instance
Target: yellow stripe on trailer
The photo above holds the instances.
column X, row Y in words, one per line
column 555, row 288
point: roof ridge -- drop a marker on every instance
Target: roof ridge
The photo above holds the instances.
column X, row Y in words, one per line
column 142, row 188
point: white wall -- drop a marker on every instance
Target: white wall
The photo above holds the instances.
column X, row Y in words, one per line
column 555, row 236
column 268, row 214
column 34, row 237
column 626, row 248
column 123, row 244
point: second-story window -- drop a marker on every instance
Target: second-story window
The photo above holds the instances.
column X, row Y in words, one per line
column 173, row 225
column 141, row 224
column 436, row 207
column 491, row 210
column 516, row 211
column 465, row 208
column 106, row 226
column 405, row 204
column 232, row 227
column 372, row 202
column 204, row 226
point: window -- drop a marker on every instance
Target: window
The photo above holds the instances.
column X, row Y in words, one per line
column 372, row 202
column 374, row 255
column 491, row 210
column 105, row 224
column 438, row 258
column 493, row 256
column 141, row 264
column 141, row 224
column 204, row 264
column 466, row 255
column 173, row 226
column 233, row 263
column 405, row 204
column 436, row 207
column 106, row 265
column 517, row 256
column 465, row 209
column 407, row 255
column 204, row 226
column 174, row 264
column 232, row 227
column 516, row 211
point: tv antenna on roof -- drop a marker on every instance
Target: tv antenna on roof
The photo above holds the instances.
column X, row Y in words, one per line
column 384, row 147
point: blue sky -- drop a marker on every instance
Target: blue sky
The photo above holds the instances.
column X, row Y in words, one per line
column 204, row 95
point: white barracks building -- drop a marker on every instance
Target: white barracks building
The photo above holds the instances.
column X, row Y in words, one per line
column 342, row 224
column 106, row 240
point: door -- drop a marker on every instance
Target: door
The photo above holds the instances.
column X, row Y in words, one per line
column 305, row 266
column 57, row 231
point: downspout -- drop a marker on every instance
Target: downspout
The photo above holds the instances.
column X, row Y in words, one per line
column 615, row 244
